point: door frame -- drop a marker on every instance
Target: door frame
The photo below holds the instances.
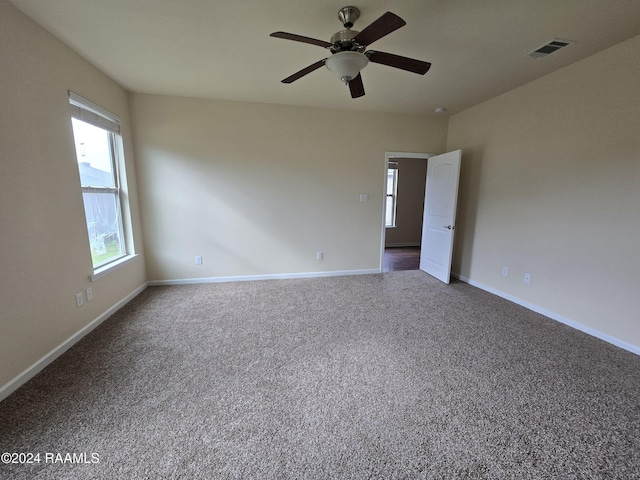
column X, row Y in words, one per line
column 389, row 156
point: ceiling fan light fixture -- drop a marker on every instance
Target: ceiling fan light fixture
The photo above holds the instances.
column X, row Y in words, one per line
column 347, row 65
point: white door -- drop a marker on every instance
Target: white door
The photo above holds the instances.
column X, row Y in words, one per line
column 438, row 225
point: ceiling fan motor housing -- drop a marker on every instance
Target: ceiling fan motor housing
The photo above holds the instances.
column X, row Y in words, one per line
column 343, row 42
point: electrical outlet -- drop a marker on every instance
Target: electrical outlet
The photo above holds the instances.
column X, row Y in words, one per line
column 79, row 299
column 527, row 278
column 319, row 255
column 89, row 293
column 505, row 271
column 199, row 260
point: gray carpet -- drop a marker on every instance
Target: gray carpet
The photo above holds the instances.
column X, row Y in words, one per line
column 374, row 376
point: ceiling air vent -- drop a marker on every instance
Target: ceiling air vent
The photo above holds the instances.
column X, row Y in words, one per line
column 549, row 48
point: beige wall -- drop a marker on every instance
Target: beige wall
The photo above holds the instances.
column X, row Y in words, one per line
column 550, row 185
column 258, row 189
column 412, row 175
column 45, row 256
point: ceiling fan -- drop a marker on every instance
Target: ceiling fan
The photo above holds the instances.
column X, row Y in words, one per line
column 347, row 47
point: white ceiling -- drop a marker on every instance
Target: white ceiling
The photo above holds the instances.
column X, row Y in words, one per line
column 221, row 49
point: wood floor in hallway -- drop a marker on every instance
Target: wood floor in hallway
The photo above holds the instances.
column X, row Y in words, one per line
column 401, row 258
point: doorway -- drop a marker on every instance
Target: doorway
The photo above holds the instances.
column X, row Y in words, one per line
column 439, row 212
column 405, row 176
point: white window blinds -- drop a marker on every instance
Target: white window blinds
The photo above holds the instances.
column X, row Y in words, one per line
column 84, row 110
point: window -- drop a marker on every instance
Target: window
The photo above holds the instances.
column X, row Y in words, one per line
column 392, row 194
column 98, row 145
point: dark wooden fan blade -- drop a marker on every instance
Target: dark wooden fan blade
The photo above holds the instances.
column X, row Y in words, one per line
column 386, row 24
column 304, row 72
column 300, row 38
column 356, row 87
column 396, row 61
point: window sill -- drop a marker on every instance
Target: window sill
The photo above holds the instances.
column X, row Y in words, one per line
column 102, row 271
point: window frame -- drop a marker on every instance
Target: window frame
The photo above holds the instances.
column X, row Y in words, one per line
column 90, row 113
column 392, row 166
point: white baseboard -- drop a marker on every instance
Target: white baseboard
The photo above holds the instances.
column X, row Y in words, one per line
column 272, row 276
column 37, row 367
column 554, row 316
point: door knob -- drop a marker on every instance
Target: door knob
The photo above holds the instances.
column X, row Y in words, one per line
column 450, row 227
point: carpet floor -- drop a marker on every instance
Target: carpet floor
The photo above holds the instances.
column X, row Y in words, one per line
column 375, row 376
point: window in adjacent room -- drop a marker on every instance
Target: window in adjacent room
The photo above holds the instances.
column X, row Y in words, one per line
column 98, row 143
column 392, row 194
